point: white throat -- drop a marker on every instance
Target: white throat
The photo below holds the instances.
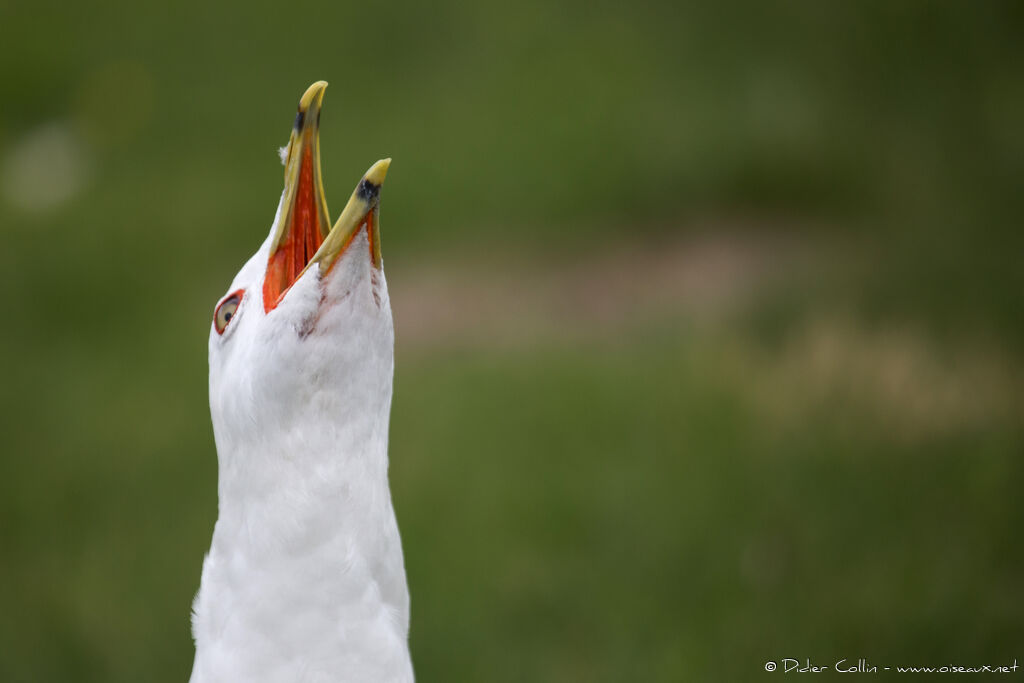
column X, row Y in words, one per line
column 305, row 579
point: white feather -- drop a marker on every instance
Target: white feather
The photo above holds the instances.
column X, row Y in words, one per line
column 305, row 579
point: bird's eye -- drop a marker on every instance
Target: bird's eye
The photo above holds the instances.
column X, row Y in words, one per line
column 226, row 310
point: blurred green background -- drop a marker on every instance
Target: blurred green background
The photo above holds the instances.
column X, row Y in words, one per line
column 710, row 323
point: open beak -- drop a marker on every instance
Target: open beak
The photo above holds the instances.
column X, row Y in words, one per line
column 303, row 237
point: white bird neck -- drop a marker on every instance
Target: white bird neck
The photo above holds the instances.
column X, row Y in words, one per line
column 304, row 486
column 305, row 577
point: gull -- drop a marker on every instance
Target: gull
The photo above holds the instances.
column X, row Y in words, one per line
column 305, row 578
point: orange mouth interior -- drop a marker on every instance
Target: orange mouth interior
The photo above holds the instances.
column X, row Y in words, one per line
column 302, row 239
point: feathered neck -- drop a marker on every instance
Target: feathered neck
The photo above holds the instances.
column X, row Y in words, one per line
column 305, row 577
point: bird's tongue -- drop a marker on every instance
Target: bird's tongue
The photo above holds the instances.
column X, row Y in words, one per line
column 303, row 238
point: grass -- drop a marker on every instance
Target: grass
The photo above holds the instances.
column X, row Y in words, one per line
column 632, row 516
column 828, row 474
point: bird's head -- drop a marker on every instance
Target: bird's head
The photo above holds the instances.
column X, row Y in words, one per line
column 301, row 342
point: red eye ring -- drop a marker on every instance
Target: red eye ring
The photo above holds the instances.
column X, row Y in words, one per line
column 226, row 310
